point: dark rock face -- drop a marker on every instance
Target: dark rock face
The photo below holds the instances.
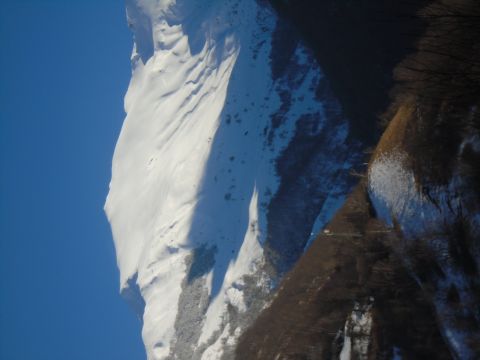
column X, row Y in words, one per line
column 304, row 188
column 320, row 146
column 358, row 43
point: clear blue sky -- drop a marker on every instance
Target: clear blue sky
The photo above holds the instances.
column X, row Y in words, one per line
column 64, row 69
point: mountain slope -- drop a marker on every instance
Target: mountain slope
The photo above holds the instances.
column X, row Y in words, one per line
column 348, row 297
column 395, row 274
column 233, row 154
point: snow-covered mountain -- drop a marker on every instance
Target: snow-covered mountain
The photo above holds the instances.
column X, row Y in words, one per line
column 233, row 154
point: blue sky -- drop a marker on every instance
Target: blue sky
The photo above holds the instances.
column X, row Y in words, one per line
column 64, row 69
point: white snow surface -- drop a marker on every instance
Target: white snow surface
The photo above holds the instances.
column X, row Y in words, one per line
column 193, row 172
